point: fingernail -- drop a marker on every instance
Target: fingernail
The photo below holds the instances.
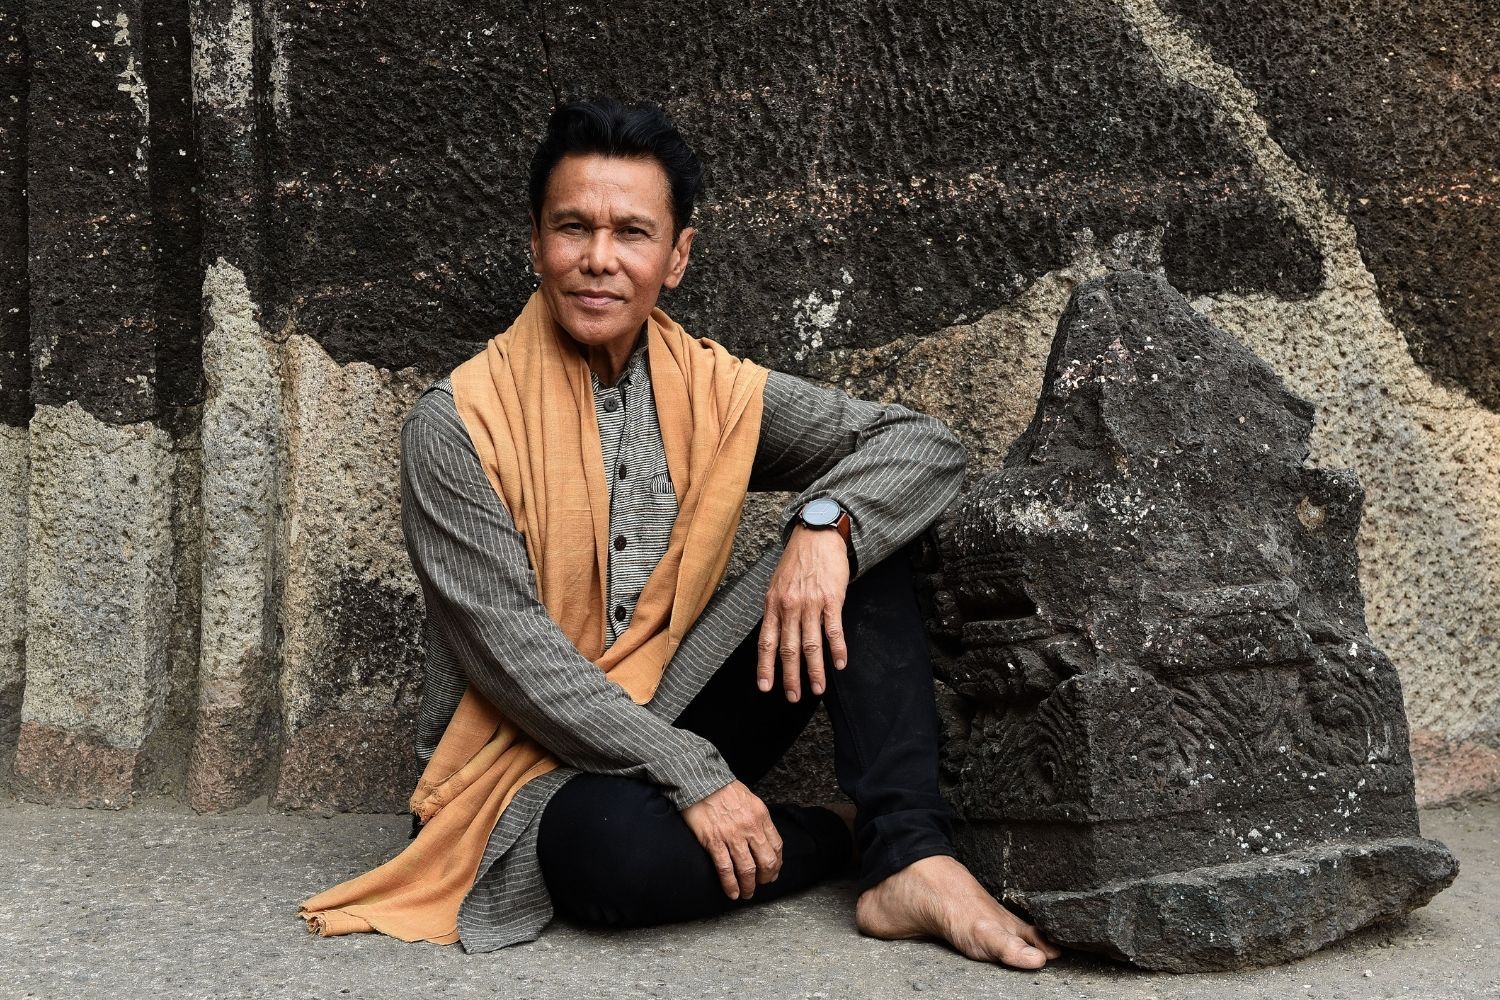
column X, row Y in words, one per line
column 817, row 689
column 763, row 684
column 791, row 696
column 838, row 664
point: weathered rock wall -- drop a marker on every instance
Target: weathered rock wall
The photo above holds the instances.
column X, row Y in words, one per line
column 240, row 238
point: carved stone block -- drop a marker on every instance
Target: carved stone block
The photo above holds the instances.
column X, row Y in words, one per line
column 1175, row 742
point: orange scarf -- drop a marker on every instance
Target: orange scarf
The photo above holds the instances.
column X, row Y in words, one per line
column 527, row 403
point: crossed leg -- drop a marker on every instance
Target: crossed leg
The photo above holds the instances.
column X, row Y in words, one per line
column 615, row 850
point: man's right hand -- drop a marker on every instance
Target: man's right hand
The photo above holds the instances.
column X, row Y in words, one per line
column 735, row 828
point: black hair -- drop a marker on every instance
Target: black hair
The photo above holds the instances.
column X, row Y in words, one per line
column 604, row 125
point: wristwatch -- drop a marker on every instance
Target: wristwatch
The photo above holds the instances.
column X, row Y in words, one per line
column 825, row 512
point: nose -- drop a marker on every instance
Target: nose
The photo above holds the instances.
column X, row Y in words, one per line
column 599, row 253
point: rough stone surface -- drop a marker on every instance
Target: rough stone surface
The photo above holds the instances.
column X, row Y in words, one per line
column 1394, row 111
column 99, row 586
column 1165, row 665
column 15, row 305
column 1452, row 770
column 110, row 235
column 815, row 237
column 397, row 229
column 15, row 446
column 354, row 761
column 982, row 146
column 1250, row 912
column 1427, row 456
column 59, row 767
column 350, row 605
column 164, row 755
column 177, row 217
column 241, row 431
column 232, row 130
column 1414, row 442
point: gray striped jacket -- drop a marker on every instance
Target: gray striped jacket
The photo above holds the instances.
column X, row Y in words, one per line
column 893, row 469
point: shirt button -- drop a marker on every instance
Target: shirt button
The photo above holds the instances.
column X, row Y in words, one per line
column 619, row 542
column 622, row 470
column 611, row 404
column 619, row 612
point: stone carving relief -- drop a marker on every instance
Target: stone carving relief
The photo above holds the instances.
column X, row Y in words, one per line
column 1172, row 738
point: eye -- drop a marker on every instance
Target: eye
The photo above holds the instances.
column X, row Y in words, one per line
column 634, row 231
column 571, row 227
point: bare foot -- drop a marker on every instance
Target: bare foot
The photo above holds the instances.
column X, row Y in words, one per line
column 937, row 897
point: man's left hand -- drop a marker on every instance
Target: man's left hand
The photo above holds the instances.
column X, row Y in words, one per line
column 804, row 602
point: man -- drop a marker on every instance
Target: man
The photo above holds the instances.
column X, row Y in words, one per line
column 642, row 812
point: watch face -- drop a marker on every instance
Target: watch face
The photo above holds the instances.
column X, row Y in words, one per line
column 821, row 511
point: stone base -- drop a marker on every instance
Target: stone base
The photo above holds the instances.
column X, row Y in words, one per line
column 348, row 762
column 59, row 768
column 230, row 758
column 1251, row 913
column 1453, row 770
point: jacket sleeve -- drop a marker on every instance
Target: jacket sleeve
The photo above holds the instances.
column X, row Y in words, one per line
column 893, row 469
column 479, row 586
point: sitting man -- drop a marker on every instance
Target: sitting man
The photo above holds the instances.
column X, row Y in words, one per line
column 597, row 704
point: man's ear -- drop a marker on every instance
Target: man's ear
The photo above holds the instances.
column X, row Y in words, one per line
column 680, row 252
column 536, row 241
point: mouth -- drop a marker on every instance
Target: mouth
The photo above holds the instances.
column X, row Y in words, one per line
column 597, row 300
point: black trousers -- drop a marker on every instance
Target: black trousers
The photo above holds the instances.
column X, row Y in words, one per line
column 615, row 850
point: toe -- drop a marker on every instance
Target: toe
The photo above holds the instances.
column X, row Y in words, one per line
column 1001, row 944
column 1020, row 955
column 1035, row 938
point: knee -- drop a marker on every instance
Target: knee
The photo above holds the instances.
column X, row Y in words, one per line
column 597, row 842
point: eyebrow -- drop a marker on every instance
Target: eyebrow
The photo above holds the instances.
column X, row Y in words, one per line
column 558, row 214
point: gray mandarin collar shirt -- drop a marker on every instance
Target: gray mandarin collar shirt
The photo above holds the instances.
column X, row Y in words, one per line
column 893, row 469
column 642, row 502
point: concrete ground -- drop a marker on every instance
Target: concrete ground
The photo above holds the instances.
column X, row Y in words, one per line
column 158, row 902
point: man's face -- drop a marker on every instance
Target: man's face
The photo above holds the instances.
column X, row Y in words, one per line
column 603, row 246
